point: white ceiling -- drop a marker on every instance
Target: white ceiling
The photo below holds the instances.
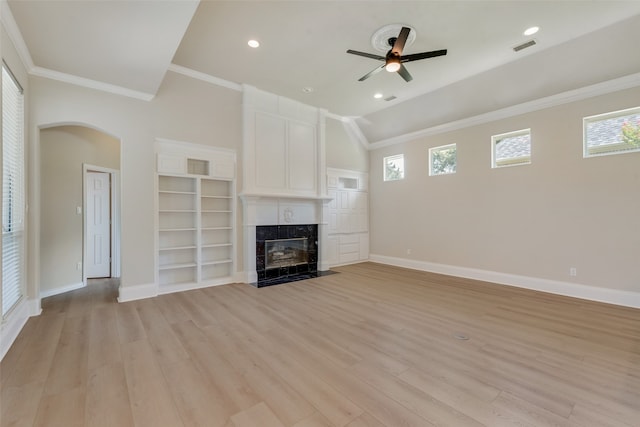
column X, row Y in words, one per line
column 131, row 44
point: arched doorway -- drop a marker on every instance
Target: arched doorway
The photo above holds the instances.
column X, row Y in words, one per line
column 69, row 154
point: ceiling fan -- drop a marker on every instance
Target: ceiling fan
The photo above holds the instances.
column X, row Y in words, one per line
column 393, row 60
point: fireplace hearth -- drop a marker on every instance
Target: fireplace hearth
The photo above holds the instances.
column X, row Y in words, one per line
column 286, row 253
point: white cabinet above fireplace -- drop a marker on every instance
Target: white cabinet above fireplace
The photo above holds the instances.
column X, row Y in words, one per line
column 283, row 146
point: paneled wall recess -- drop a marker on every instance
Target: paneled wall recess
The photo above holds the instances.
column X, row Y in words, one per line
column 284, row 151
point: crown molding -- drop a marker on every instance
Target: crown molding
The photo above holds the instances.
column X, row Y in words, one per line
column 15, row 35
column 91, row 84
column 626, row 82
column 204, row 77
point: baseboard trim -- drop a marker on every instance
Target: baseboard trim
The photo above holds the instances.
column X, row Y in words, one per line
column 136, row 292
column 11, row 327
column 61, row 290
column 169, row 289
column 586, row 292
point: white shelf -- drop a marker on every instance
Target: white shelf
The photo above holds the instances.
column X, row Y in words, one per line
column 217, row 245
column 177, row 248
column 195, row 217
column 176, row 192
column 176, row 266
column 222, row 261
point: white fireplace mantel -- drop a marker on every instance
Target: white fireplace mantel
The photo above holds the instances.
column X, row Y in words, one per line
column 280, row 209
column 284, row 169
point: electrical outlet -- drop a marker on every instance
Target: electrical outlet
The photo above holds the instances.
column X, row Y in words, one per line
column 79, row 265
column 573, row 272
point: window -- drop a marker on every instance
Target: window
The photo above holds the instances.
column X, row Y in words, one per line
column 612, row 133
column 12, row 191
column 442, row 160
column 512, row 148
column 394, row 167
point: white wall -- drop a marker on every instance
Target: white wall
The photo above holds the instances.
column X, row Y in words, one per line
column 184, row 109
column 534, row 221
column 344, row 152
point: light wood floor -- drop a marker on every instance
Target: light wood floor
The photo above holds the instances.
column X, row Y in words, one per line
column 371, row 346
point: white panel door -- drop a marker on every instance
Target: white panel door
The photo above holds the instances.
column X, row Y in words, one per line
column 98, row 220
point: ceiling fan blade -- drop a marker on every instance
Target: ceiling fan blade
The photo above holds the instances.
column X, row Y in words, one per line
column 423, row 55
column 366, row 55
column 404, row 73
column 400, row 41
column 371, row 73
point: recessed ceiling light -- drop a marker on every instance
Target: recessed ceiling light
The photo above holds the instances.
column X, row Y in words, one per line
column 253, row 43
column 377, row 96
column 307, row 89
column 531, row 31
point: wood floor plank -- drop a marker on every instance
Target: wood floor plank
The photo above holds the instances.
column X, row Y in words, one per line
column 372, row 345
column 151, row 400
column 69, row 366
column 107, row 402
column 195, row 397
column 130, row 327
column 258, row 415
column 35, row 360
column 104, row 341
column 64, row 409
column 19, row 404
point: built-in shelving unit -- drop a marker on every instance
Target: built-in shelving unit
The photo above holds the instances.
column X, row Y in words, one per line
column 347, row 217
column 196, row 219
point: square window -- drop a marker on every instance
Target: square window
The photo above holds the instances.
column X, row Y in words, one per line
column 393, row 167
column 443, row 160
column 511, row 148
column 612, row 133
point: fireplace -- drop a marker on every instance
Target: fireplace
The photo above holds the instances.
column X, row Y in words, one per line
column 286, row 253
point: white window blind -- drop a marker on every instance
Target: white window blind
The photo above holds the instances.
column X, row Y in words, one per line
column 12, row 192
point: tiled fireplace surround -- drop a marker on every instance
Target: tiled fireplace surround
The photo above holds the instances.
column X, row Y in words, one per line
column 276, row 217
column 276, row 275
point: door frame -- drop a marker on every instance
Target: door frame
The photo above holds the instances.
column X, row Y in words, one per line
column 114, row 184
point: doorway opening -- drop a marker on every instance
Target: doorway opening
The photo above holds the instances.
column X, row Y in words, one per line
column 67, row 153
column 100, row 222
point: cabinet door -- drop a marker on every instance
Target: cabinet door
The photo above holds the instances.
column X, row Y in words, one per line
column 171, row 163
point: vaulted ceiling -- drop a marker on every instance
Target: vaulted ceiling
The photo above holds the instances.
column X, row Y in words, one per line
column 131, row 44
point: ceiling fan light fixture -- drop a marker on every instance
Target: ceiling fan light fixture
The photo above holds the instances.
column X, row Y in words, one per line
column 392, row 66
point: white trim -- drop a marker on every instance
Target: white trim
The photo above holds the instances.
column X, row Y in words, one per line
column 354, row 131
column 204, row 77
column 597, row 89
column 136, row 292
column 11, row 327
column 114, row 228
column 182, row 287
column 89, row 83
column 575, row 290
column 15, row 35
column 56, row 291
